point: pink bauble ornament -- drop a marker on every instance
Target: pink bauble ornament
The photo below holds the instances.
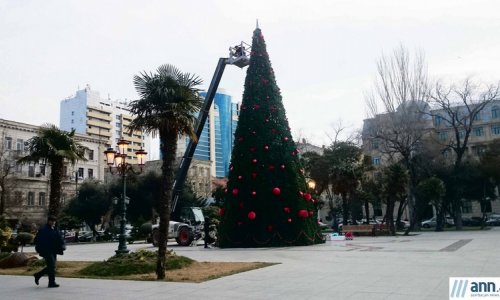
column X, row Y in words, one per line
column 282, row 167
column 254, row 175
column 276, row 191
column 285, row 139
column 254, row 193
column 266, row 147
column 235, row 191
column 240, row 177
column 251, row 215
column 254, row 161
column 311, row 213
column 289, row 220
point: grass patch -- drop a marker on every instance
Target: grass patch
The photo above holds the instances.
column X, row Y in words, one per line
column 4, row 255
column 141, row 265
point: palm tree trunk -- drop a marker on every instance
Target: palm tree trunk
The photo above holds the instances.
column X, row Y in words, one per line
column 168, row 148
column 56, row 171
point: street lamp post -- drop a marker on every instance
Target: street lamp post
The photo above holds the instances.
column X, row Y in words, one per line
column 311, row 185
column 118, row 159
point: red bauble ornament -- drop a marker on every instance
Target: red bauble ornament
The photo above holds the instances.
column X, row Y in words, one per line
column 276, row 191
column 271, row 167
column 307, row 197
column 253, row 149
column 303, row 213
column 266, row 147
column 269, row 228
column 239, row 223
column 282, row 167
column 256, row 106
column 254, row 161
column 225, row 191
column 251, row 215
column 311, row 213
column 254, row 193
column 222, row 211
column 240, row 139
column 235, row 191
column 241, row 205
column 286, row 209
column 254, row 175
column 273, row 130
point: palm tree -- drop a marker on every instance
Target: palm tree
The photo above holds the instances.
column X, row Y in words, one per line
column 167, row 106
column 54, row 146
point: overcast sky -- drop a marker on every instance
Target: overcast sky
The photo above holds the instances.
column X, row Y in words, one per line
column 323, row 53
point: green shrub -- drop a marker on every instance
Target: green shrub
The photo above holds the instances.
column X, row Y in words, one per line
column 140, row 262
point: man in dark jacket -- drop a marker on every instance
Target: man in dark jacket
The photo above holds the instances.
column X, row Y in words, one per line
column 49, row 243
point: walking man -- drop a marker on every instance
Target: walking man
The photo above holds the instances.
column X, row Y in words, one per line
column 206, row 229
column 49, row 243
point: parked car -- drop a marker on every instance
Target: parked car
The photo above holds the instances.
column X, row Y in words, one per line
column 432, row 222
column 471, row 221
column 493, row 221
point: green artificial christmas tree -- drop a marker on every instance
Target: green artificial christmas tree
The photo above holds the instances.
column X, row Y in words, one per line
column 267, row 202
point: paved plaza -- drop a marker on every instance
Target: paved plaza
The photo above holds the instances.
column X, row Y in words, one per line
column 414, row 267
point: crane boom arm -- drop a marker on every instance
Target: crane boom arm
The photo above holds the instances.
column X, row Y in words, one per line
column 200, row 123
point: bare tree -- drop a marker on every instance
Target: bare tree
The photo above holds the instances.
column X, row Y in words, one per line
column 402, row 90
column 7, row 171
column 457, row 109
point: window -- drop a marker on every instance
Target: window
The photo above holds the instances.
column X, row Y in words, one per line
column 18, row 197
column 478, row 131
column 495, row 129
column 41, row 199
column 467, row 207
column 80, row 172
column 376, row 161
column 461, row 134
column 31, row 199
column 91, row 173
column 63, row 199
column 477, row 117
column 443, row 135
column 19, row 145
column 72, row 121
column 31, row 171
column 72, row 113
column 19, row 168
column 42, row 170
column 438, row 120
column 91, row 154
column 8, row 143
column 495, row 112
column 375, row 145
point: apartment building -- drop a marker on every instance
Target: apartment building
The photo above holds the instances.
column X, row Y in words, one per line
column 103, row 119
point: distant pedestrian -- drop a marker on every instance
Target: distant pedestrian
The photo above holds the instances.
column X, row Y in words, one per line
column 206, row 229
column 49, row 243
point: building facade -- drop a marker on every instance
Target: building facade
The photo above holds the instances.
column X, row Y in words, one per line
column 102, row 119
column 26, row 187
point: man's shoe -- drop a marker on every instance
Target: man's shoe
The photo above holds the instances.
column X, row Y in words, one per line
column 37, row 278
column 54, row 285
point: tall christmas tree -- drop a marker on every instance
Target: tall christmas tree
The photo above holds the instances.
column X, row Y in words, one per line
column 267, row 202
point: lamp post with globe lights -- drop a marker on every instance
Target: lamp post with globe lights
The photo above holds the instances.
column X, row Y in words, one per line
column 118, row 159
